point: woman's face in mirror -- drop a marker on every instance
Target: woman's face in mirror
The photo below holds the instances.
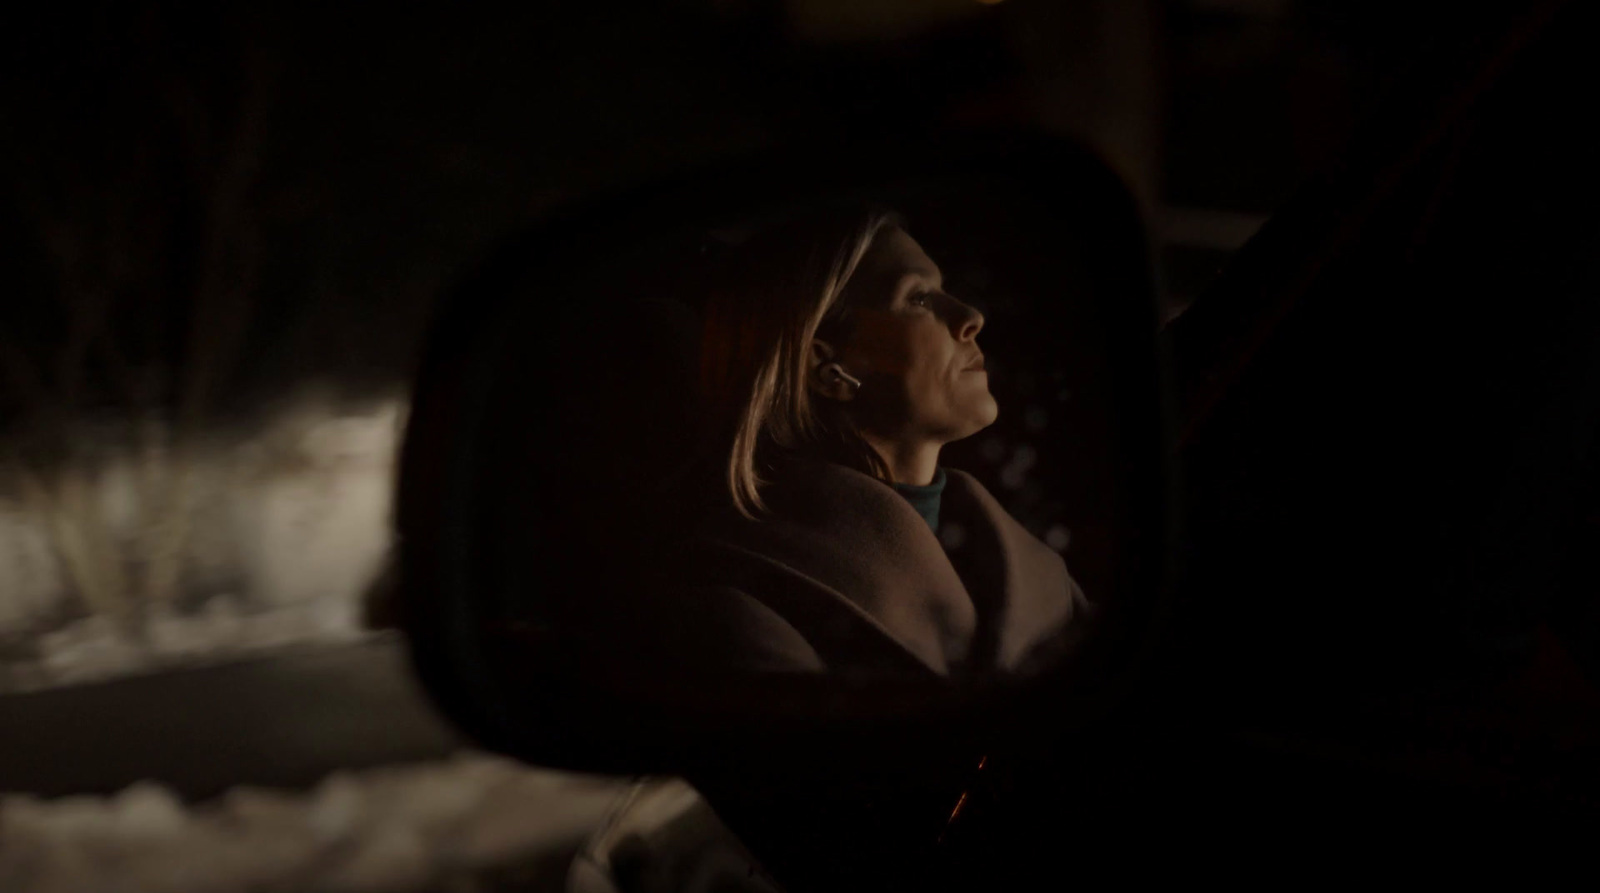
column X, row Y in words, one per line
column 914, row 349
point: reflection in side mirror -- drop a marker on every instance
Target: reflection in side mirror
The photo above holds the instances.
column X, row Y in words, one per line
column 867, row 436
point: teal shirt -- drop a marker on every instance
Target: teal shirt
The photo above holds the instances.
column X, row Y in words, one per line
column 925, row 499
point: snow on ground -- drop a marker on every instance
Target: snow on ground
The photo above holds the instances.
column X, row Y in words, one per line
column 465, row 824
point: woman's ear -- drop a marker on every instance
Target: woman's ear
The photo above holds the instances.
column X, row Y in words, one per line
column 825, row 376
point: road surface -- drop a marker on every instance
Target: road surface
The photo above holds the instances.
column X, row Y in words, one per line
column 280, row 720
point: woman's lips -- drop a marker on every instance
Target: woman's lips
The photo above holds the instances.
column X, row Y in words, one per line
column 975, row 365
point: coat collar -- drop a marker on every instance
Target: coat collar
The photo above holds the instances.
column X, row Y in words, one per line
column 985, row 603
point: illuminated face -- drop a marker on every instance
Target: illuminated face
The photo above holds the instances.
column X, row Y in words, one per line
column 914, row 348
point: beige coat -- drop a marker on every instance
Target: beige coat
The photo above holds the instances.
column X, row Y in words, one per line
column 844, row 575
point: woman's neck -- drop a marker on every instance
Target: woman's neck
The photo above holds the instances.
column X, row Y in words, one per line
column 913, row 464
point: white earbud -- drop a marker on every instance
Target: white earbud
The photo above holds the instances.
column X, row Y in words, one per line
column 838, row 373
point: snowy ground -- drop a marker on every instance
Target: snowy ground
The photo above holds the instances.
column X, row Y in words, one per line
column 472, row 823
column 314, row 767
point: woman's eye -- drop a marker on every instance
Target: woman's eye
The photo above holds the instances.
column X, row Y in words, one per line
column 920, row 299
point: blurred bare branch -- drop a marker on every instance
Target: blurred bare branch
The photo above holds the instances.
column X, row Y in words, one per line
column 115, row 225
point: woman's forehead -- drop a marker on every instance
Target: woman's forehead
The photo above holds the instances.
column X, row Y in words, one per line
column 893, row 255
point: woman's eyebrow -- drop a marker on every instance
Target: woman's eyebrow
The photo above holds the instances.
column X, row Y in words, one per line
column 918, row 274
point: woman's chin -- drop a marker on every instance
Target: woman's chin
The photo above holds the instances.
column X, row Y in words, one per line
column 990, row 406
column 984, row 413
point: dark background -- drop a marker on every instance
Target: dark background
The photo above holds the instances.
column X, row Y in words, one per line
column 258, row 196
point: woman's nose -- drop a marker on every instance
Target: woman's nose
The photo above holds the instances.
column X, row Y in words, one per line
column 969, row 322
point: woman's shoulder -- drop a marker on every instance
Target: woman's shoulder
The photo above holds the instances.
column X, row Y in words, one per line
column 815, row 494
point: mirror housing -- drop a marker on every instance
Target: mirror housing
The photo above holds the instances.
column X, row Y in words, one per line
column 528, row 689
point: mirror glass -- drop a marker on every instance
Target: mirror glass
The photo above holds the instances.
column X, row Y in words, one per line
column 856, row 430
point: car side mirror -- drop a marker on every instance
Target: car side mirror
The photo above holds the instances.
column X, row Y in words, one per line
column 585, row 585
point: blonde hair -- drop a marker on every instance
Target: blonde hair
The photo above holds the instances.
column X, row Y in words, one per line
column 772, row 298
